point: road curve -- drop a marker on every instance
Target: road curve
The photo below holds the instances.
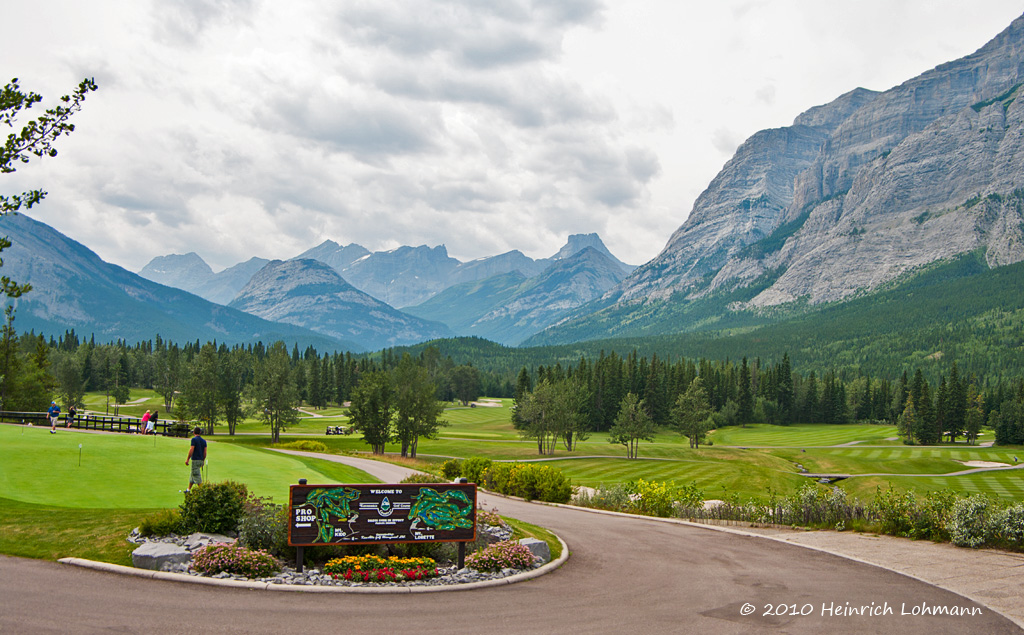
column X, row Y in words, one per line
column 625, row 575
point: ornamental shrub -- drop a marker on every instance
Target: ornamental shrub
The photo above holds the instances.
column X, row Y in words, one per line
column 162, row 523
column 473, row 469
column 451, row 468
column 1008, row 525
column 263, row 525
column 932, row 518
column 970, row 521
column 894, row 511
column 491, row 518
column 214, row 508
column 422, row 477
column 305, row 445
column 501, row 555
column 234, row 559
column 529, row 481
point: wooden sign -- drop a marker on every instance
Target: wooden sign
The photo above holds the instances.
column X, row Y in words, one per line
column 368, row 514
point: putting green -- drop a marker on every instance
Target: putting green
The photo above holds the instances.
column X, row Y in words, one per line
column 137, row 472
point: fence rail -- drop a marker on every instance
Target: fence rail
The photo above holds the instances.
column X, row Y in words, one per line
column 98, row 422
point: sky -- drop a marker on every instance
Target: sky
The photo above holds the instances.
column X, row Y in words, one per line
column 241, row 128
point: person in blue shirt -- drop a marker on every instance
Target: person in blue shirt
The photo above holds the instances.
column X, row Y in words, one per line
column 54, row 414
column 197, row 455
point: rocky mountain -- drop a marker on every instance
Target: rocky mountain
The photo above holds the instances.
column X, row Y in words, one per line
column 403, row 276
column 509, row 308
column 579, row 242
column 74, row 289
column 852, row 196
column 311, row 294
column 335, row 255
column 408, row 276
column 182, row 271
column 223, row 286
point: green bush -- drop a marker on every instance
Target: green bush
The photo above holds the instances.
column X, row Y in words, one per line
column 473, row 469
column 420, row 477
column 213, row 508
column 162, row 523
column 234, row 559
column 1008, row 525
column 662, row 499
column 264, row 525
column 451, row 468
column 501, row 555
column 932, row 518
column 894, row 511
column 305, row 445
column 529, row 481
column 970, row 521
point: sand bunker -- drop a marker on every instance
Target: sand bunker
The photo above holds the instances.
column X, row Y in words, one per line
column 984, row 464
column 487, row 403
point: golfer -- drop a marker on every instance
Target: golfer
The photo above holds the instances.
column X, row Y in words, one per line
column 54, row 414
column 197, row 455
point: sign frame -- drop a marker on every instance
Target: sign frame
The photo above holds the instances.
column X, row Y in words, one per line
column 369, row 514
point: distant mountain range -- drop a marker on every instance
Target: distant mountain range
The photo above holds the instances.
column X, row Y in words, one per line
column 514, row 296
column 855, row 198
column 508, row 308
column 74, row 289
column 311, row 294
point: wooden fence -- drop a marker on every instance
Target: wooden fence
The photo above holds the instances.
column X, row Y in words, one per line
column 99, row 422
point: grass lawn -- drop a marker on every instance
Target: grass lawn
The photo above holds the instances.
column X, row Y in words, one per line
column 131, row 471
column 51, row 507
column 718, row 477
column 139, row 401
column 803, row 435
column 1005, row 484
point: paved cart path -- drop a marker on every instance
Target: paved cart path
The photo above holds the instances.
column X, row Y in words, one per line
column 625, row 575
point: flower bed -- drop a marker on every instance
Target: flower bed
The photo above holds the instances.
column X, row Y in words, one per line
column 224, row 558
column 372, row 568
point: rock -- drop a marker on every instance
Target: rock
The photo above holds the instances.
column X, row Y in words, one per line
column 159, row 556
column 199, row 540
column 538, row 548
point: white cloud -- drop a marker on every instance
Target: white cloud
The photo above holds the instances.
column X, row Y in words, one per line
column 250, row 127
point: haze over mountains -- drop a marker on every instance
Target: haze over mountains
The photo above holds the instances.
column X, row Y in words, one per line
column 854, row 196
column 425, row 281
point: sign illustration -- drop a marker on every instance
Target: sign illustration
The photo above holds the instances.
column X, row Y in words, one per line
column 367, row 514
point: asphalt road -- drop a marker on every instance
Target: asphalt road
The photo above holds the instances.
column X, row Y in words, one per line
column 625, row 575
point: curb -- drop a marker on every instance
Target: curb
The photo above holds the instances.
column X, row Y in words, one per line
column 312, row 588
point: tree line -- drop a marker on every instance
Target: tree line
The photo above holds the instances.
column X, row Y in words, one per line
column 217, row 384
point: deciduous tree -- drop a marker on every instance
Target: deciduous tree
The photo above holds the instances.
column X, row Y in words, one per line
column 632, row 425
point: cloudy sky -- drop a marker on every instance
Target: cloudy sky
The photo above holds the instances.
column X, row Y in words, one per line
column 240, row 128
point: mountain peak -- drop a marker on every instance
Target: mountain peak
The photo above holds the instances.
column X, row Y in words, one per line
column 184, row 271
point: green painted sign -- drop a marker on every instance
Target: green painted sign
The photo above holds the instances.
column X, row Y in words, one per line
column 369, row 514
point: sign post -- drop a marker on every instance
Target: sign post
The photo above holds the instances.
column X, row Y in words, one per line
column 377, row 514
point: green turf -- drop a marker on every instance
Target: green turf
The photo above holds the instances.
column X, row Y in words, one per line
column 718, row 476
column 1003, row 484
column 802, row 435
column 51, row 532
column 120, row 471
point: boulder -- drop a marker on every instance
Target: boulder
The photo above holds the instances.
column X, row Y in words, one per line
column 199, row 540
column 538, row 548
column 159, row 556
